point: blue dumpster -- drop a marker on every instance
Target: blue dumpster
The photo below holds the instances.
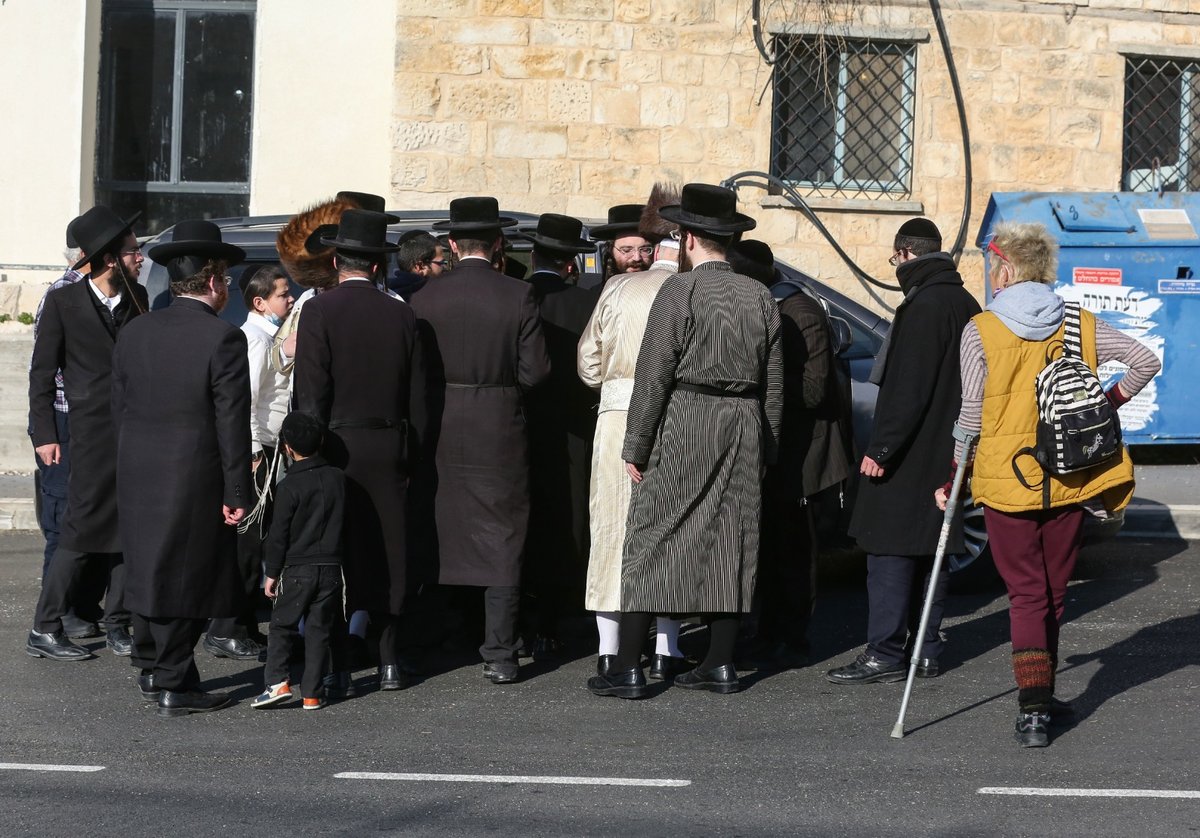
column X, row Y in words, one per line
column 1133, row 259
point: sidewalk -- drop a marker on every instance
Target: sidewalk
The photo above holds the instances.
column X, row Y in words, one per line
column 1166, row 504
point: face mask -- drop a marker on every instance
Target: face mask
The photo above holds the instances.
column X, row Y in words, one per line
column 273, row 318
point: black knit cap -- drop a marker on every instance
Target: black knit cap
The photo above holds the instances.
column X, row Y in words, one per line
column 920, row 228
column 303, row 432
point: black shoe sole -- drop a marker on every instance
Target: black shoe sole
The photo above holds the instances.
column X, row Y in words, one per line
column 881, row 678
column 149, row 696
column 120, row 653
column 1026, row 741
column 175, row 712
column 38, row 653
column 711, row 686
column 390, row 686
column 632, row 693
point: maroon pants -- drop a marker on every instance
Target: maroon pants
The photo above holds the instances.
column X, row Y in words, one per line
column 1035, row 553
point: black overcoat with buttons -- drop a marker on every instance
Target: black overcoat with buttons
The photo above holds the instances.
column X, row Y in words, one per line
column 181, row 405
column 919, row 399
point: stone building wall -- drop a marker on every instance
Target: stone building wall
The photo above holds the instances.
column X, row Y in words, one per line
column 574, row 105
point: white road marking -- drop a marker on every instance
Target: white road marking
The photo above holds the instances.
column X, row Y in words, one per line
column 507, row 778
column 1036, row 792
column 35, row 766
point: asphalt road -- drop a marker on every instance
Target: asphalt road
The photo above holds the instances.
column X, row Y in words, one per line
column 791, row 755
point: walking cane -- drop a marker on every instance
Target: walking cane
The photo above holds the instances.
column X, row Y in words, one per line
column 962, row 451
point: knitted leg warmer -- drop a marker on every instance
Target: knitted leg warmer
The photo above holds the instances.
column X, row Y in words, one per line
column 1035, row 679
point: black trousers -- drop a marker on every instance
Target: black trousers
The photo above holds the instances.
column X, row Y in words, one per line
column 65, row 578
column 786, row 569
column 52, row 486
column 314, row 592
column 896, row 588
column 501, row 604
column 250, row 545
column 166, row 646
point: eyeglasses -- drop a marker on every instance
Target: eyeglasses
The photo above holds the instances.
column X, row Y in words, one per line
column 895, row 260
column 441, row 263
column 645, row 250
column 135, row 252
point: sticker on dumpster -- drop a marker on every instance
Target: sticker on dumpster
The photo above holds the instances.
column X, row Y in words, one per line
column 1096, row 276
column 1179, row 286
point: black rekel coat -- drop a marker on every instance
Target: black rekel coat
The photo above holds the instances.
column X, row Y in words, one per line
column 919, row 399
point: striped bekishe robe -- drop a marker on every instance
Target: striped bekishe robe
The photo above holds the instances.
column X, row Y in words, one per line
column 703, row 419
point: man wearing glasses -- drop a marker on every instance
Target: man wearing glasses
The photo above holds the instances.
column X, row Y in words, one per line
column 77, row 330
column 420, row 258
column 920, row 394
column 628, row 251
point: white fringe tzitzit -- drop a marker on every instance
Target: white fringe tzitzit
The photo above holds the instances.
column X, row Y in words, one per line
column 259, row 512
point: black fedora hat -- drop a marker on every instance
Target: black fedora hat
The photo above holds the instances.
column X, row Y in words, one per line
column 623, row 220
column 96, row 229
column 560, row 232
column 196, row 237
column 709, row 209
column 367, row 201
column 474, row 214
column 362, row 231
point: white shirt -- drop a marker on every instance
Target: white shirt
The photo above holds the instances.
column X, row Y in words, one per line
column 268, row 389
column 109, row 302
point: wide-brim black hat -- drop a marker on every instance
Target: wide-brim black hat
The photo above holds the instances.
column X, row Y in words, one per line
column 368, row 201
column 560, row 232
column 709, row 209
column 96, row 229
column 362, row 231
column 623, row 220
column 473, row 215
column 196, row 237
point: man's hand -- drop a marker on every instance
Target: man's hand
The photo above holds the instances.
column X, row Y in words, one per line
column 255, row 462
column 635, row 473
column 233, row 516
column 269, row 587
column 871, row 468
column 289, row 345
column 50, row 454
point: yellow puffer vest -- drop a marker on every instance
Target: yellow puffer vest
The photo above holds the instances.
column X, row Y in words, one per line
column 1010, row 417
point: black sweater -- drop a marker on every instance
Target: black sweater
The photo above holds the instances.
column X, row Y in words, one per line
column 306, row 527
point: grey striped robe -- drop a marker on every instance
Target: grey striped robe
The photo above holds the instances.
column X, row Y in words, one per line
column 691, row 541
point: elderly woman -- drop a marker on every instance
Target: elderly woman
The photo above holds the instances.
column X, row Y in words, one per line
column 1034, row 528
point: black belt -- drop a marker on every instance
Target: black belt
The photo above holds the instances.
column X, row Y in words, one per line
column 706, row 390
column 367, row 424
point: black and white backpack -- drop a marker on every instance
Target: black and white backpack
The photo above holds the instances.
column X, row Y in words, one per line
column 1077, row 426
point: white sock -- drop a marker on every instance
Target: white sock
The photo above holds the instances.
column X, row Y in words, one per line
column 667, row 642
column 608, row 624
column 358, row 624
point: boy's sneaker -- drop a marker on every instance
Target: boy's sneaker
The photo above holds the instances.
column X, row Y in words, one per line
column 314, row 703
column 273, row 694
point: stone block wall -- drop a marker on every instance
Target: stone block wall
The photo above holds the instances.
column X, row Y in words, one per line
column 575, row 105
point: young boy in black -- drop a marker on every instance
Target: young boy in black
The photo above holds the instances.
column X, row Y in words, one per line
column 303, row 565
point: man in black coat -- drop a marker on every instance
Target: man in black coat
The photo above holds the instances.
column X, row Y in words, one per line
column 562, row 423
column 78, row 327
column 486, row 350
column 181, row 403
column 894, row 519
column 357, row 359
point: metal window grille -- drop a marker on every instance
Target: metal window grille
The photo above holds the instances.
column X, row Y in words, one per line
column 842, row 121
column 1161, row 149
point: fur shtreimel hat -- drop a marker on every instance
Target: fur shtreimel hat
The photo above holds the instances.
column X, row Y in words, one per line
column 653, row 226
column 307, row 262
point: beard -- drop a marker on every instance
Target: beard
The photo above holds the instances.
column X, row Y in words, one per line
column 221, row 298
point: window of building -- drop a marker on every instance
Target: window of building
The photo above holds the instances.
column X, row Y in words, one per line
column 176, row 82
column 1162, row 125
column 842, row 121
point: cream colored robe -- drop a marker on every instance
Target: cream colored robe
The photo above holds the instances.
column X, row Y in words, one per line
column 607, row 357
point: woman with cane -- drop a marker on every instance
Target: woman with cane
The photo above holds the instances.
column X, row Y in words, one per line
column 1031, row 497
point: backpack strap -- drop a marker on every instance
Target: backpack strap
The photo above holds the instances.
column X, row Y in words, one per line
column 1072, row 329
column 1045, row 485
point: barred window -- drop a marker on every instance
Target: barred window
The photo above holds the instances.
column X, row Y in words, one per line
column 842, row 121
column 1161, row 148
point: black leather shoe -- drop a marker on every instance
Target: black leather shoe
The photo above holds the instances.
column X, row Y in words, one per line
column 172, row 703
column 723, row 679
column 866, row 669
column 927, row 668
column 628, row 684
column 54, row 646
column 77, row 628
column 665, row 667
column 339, row 685
column 392, row 677
column 1032, row 730
column 145, row 683
column 604, row 664
column 499, row 673
column 119, row 641
column 232, row 647
column 547, row 648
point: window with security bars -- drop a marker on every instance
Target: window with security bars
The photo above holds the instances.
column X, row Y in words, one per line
column 1162, row 125
column 842, row 121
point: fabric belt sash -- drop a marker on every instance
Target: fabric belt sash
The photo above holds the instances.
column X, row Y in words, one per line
column 706, row 390
column 615, row 394
column 370, row 423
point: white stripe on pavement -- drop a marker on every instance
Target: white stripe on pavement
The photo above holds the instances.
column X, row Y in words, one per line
column 35, row 766
column 1036, row 792
column 506, row 778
